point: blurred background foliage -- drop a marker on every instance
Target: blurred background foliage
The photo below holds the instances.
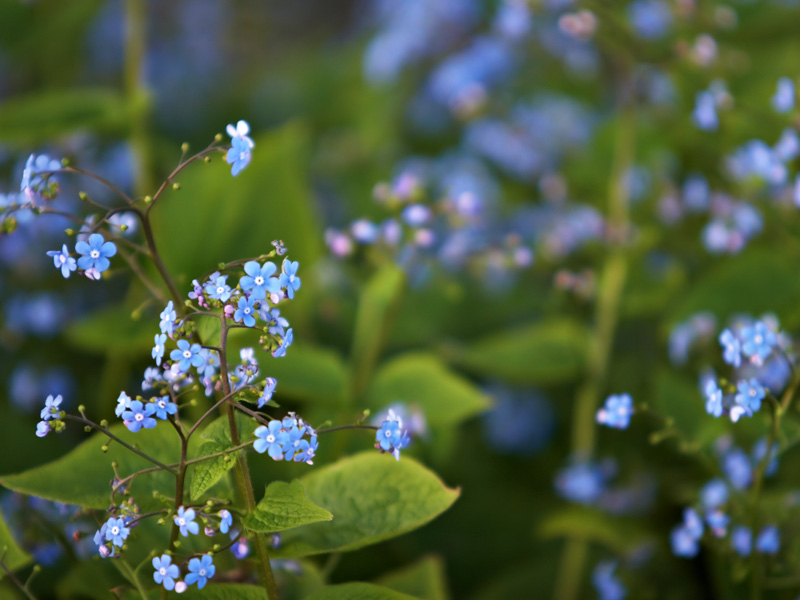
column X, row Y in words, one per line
column 494, row 357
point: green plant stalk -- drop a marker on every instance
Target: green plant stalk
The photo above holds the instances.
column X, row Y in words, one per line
column 242, row 473
column 611, row 285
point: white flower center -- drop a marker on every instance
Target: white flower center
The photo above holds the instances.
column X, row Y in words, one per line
column 259, row 280
column 94, row 254
column 163, row 571
column 387, row 433
column 62, row 259
column 162, row 404
column 758, row 339
column 220, row 290
column 270, row 439
column 247, row 310
column 114, row 530
column 139, row 416
column 187, row 354
column 202, row 573
column 181, row 521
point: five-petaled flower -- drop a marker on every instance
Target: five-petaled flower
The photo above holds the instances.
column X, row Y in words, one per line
column 95, row 253
column 185, row 522
column 241, row 149
column 244, row 313
column 164, row 407
column 187, row 355
column 62, row 260
column 165, row 572
column 288, row 278
column 168, row 316
column 139, row 415
column 259, row 280
column 200, row 570
column 52, row 406
column 116, row 531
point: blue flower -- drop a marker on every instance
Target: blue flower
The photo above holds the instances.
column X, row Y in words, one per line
column 289, row 278
column 164, row 407
column 783, row 100
column 159, row 341
column 713, row 398
column 42, row 429
column 616, row 412
column 714, row 494
column 273, row 319
column 200, row 571
column 123, row 404
column 742, row 541
column 259, row 280
column 241, row 548
column 241, row 148
column 750, row 395
column 608, row 587
column 705, row 111
column 165, row 571
column 225, row 520
column 32, row 180
column 95, row 253
column 116, row 532
column 139, row 415
column 285, row 343
column 52, row 406
column 736, row 466
column 306, row 450
column 718, row 523
column 187, row 355
column 152, row 376
column 269, row 389
column 245, row 312
column 218, row 289
column 62, row 260
column 168, row 317
column 768, row 541
column 391, row 437
column 732, row 348
column 270, row 438
column 758, row 341
column 185, row 521
column 683, row 542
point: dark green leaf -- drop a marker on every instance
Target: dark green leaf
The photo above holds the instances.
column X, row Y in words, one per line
column 284, row 506
column 538, row 353
column 357, row 591
column 12, row 555
column 425, row 579
column 372, row 498
column 225, row 591
column 422, row 380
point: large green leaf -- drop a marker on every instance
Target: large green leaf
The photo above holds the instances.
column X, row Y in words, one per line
column 538, row 353
column 425, row 579
column 357, row 591
column 216, row 438
column 372, row 498
column 284, row 506
column 375, row 310
column 423, row 380
column 215, row 217
column 131, row 336
column 310, row 373
column 42, row 116
column 219, row 591
column 83, row 476
column 12, row 555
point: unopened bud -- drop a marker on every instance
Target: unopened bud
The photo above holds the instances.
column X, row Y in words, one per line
column 176, row 186
column 185, row 147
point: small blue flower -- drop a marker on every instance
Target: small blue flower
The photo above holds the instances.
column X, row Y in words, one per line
column 288, row 278
column 42, row 429
column 616, row 412
column 391, row 437
column 714, row 494
column 187, row 355
column 185, row 521
column 164, row 407
column 742, row 541
column 210, row 363
column 272, row 317
column 165, row 572
column 718, row 523
column 692, row 522
column 705, row 111
column 783, row 100
column 95, row 253
column 241, row 548
column 241, row 148
column 285, row 343
column 52, row 406
column 168, row 316
column 159, row 341
column 259, row 281
column 123, row 404
column 732, row 348
column 307, row 449
column 116, row 531
column 244, row 313
column 32, row 179
column 608, row 587
column 758, row 341
column 270, row 438
column 768, row 541
column 683, row 542
column 200, row 571
column 269, row 389
column 218, row 289
column 139, row 415
column 62, row 260
column 750, row 394
column 225, row 520
column 152, row 376
column 713, row 398
column 737, row 468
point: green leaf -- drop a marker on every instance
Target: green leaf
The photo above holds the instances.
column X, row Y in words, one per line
column 284, row 506
column 423, row 380
column 208, row 329
column 425, row 579
column 12, row 555
column 357, row 591
column 310, row 373
column 225, row 591
column 83, row 476
column 538, row 353
column 272, row 192
column 131, row 337
column 205, row 474
column 378, row 302
column 593, row 526
column 372, row 498
column 43, row 116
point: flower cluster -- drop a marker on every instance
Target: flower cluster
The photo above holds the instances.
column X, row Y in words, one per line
column 286, row 440
column 93, row 257
column 51, row 416
column 200, row 571
column 616, row 412
column 241, row 150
